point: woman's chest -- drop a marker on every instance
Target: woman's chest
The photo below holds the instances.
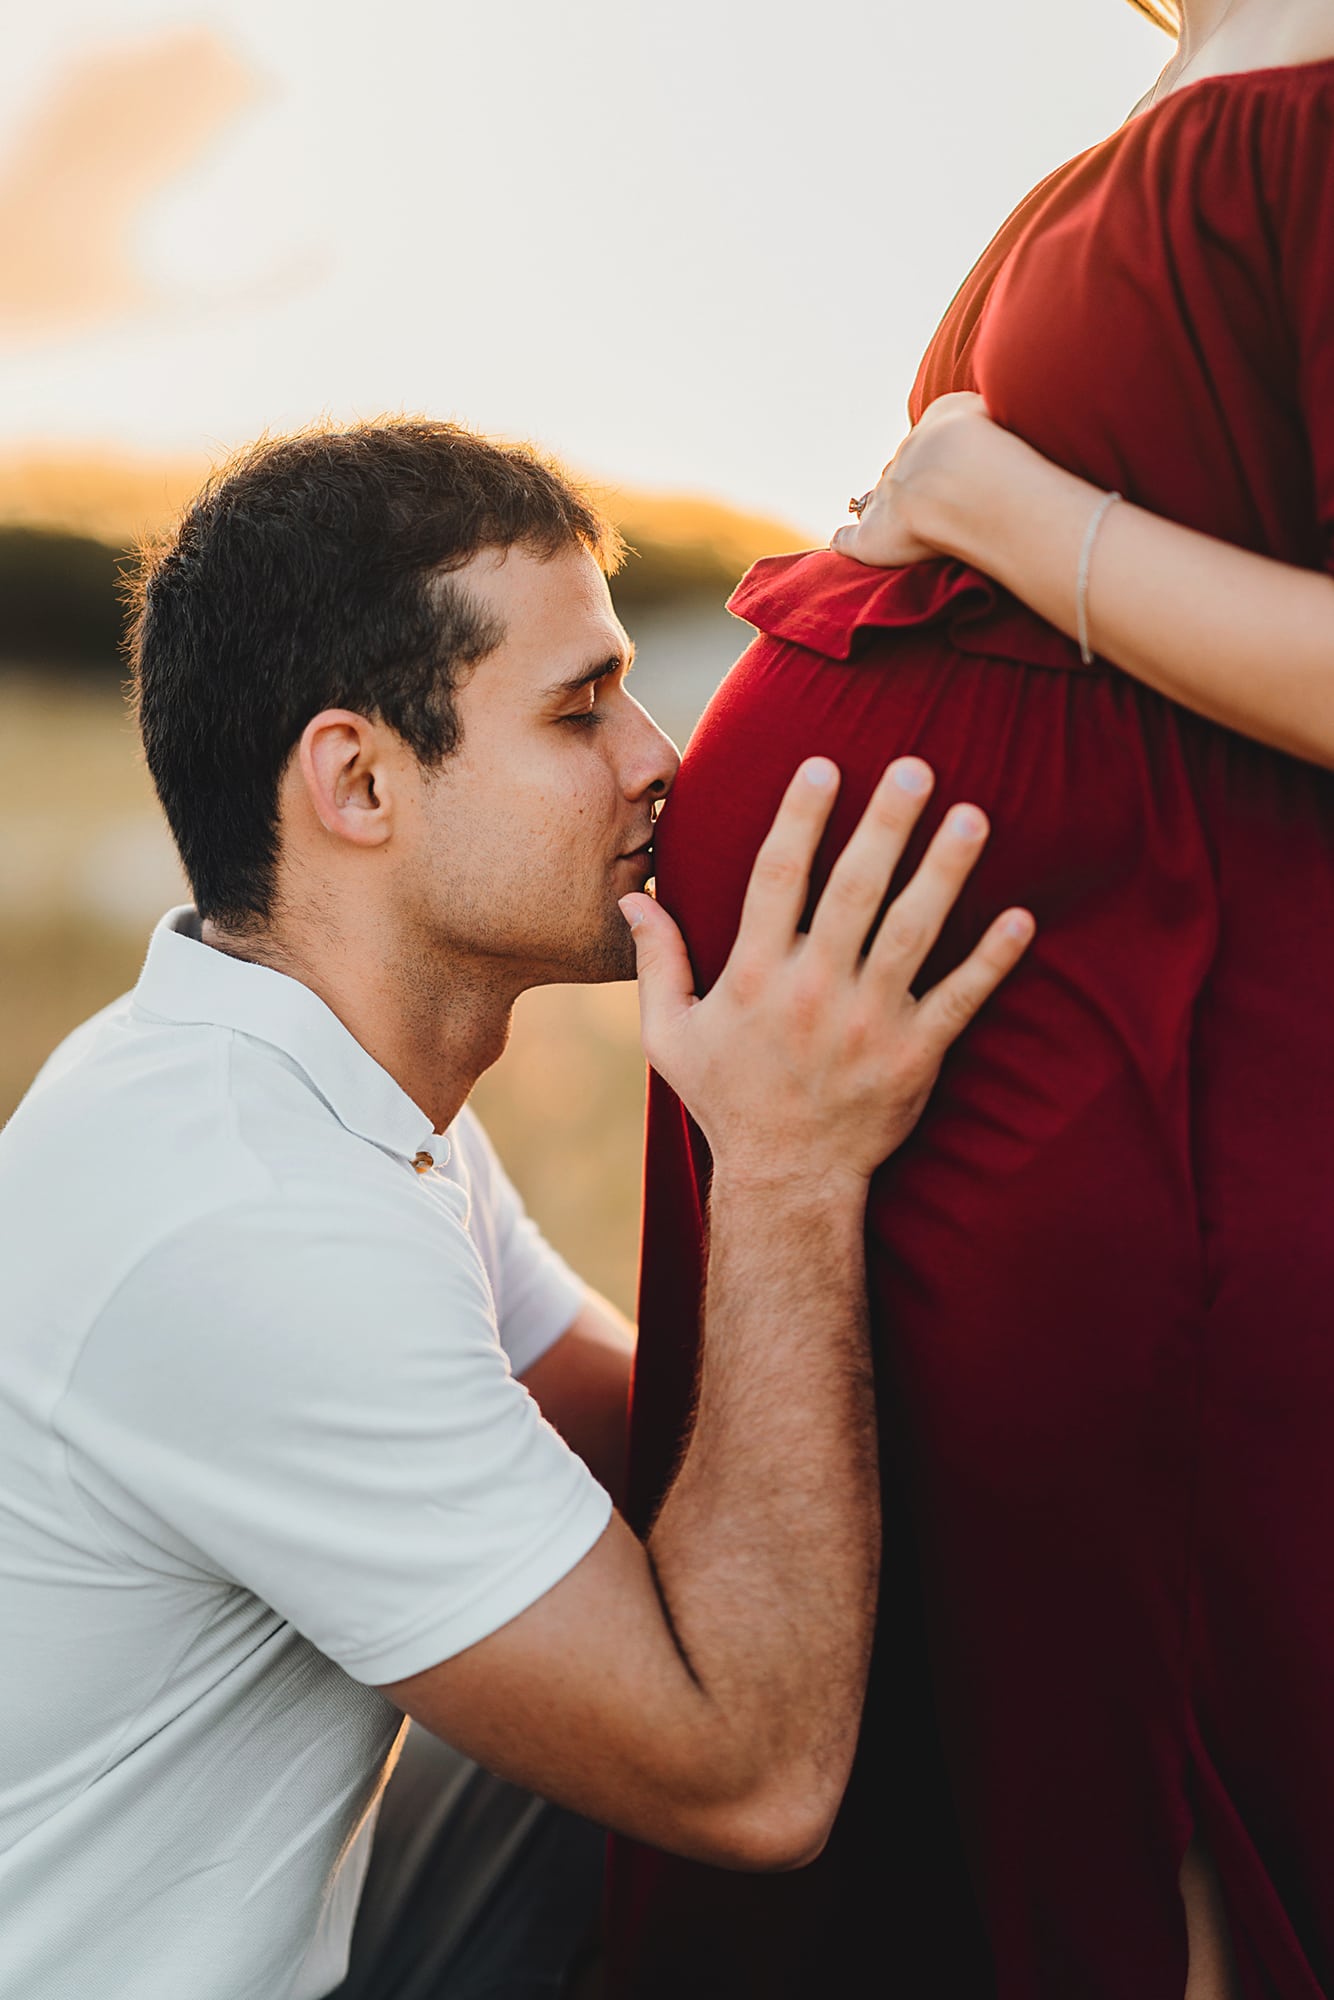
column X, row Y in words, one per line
column 1133, row 331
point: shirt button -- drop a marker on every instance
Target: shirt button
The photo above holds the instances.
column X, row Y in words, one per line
column 423, row 1162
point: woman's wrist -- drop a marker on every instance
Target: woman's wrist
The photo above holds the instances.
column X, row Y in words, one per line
column 963, row 493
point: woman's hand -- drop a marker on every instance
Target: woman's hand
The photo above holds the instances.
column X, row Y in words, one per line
column 1241, row 638
column 898, row 523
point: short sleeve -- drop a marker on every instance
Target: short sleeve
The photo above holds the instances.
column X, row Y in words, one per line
column 315, row 1401
column 1305, row 214
column 537, row 1295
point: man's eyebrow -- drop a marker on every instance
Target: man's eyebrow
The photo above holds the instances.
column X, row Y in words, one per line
column 615, row 663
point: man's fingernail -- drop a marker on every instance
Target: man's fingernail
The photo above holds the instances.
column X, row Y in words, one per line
column 818, row 771
column 967, row 823
column 912, row 775
column 1019, row 924
column 632, row 913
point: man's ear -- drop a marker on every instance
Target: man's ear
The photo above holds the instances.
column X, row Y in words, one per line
column 346, row 777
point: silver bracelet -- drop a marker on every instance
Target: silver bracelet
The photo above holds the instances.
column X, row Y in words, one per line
column 1100, row 514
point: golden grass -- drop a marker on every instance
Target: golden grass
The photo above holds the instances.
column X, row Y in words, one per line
column 110, row 495
column 681, row 522
column 116, row 497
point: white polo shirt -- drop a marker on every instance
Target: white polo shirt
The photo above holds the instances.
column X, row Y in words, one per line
column 261, row 1447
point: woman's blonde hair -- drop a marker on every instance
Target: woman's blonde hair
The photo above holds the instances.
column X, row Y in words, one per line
column 1163, row 13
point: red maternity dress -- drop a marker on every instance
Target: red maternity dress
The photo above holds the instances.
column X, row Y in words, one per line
column 1102, row 1271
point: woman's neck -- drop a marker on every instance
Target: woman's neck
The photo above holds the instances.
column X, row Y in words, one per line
column 1225, row 37
column 1200, row 19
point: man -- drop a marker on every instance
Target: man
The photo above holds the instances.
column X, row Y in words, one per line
column 302, row 1426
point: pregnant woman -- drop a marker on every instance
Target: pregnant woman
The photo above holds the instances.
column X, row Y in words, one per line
column 1098, row 1754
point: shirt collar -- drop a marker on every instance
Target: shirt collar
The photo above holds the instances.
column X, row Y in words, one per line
column 188, row 981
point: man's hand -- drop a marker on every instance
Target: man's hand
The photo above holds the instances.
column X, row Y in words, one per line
column 811, row 1051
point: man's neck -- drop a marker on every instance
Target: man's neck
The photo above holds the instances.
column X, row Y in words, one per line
column 434, row 1026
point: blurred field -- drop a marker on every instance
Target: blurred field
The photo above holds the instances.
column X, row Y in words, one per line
column 86, row 867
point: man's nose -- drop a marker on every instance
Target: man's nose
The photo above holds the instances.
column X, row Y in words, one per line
column 658, row 761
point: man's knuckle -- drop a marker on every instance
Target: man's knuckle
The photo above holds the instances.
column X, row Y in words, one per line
column 853, row 888
column 808, row 999
column 958, row 1004
column 903, row 933
column 860, row 1036
column 776, row 869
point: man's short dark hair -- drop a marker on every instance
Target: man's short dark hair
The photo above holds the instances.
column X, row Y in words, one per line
column 312, row 572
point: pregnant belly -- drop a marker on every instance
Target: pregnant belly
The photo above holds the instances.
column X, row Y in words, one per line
column 1133, row 1140
column 1061, row 1129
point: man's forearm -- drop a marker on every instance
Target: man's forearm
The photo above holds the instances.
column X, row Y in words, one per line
column 767, row 1546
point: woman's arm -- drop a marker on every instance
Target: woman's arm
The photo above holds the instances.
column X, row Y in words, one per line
column 1240, row 638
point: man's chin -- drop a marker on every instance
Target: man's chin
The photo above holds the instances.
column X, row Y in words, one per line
column 613, row 957
column 596, row 956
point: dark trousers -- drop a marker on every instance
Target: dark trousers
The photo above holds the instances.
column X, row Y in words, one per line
column 475, row 1891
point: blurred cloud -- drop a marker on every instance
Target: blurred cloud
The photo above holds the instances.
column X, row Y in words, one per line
column 118, row 126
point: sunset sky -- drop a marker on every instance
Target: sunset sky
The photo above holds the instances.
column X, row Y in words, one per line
column 694, row 247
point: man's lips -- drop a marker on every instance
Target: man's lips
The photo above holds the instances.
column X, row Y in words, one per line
column 640, row 861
